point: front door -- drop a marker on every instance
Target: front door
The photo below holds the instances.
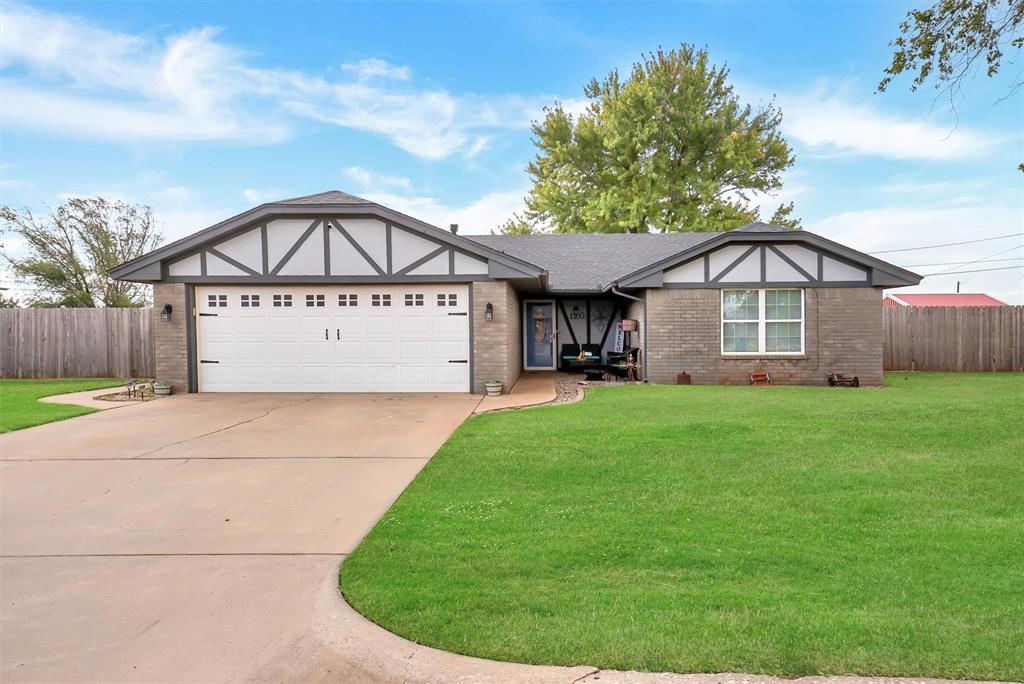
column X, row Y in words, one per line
column 539, row 333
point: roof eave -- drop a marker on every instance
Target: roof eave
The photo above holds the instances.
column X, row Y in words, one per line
column 272, row 210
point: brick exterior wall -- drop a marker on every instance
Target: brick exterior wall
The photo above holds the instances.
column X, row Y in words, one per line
column 497, row 344
column 170, row 338
column 842, row 333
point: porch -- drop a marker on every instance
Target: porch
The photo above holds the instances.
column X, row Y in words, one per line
column 577, row 334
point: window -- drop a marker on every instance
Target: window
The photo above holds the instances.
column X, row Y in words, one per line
column 448, row 300
column 380, row 300
column 282, row 300
column 348, row 300
column 250, row 301
column 762, row 321
column 215, row 301
column 414, row 300
column 315, row 300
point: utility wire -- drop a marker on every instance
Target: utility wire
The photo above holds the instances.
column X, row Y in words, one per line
column 990, row 256
column 979, row 270
column 948, row 244
column 959, row 263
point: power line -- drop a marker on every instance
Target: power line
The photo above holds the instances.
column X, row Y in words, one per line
column 999, row 253
column 948, row 244
column 959, row 263
column 979, row 270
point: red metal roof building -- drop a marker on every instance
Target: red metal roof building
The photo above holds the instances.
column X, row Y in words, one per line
column 951, row 299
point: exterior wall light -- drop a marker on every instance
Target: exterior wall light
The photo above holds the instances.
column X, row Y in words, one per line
column 165, row 313
column 489, row 312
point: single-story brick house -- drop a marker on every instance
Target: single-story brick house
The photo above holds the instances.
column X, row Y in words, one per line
column 331, row 292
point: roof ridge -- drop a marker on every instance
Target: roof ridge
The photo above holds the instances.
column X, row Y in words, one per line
column 304, row 199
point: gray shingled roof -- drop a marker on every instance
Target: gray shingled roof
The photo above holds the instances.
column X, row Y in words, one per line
column 589, row 262
column 329, row 197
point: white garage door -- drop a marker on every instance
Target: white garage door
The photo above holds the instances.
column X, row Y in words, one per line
column 358, row 338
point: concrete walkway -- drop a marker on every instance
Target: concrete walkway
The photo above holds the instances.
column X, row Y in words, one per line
column 531, row 389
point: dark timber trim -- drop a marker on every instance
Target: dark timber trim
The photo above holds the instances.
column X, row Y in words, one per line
column 387, row 242
column 568, row 321
column 472, row 335
column 616, row 309
column 234, row 262
column 422, row 260
column 327, row 247
column 359, row 248
column 782, row 255
column 190, row 338
column 327, row 280
column 294, row 248
column 266, row 255
column 202, row 264
column 451, row 262
column 734, row 264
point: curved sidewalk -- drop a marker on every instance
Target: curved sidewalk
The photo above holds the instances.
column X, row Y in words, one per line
column 380, row 656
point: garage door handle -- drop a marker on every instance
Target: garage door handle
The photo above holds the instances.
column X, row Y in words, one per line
column 205, row 361
column 326, row 336
column 337, row 331
column 457, row 361
column 452, row 313
column 208, row 314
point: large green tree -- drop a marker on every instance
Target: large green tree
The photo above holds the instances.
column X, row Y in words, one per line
column 669, row 148
column 69, row 251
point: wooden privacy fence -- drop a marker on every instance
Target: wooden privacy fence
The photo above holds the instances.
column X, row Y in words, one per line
column 950, row 338
column 76, row 343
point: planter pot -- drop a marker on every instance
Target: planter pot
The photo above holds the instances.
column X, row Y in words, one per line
column 161, row 391
column 493, row 390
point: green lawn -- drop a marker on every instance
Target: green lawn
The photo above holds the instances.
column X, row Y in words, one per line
column 20, row 408
column 786, row 531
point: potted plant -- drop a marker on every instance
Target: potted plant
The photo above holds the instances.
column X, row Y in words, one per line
column 493, row 388
column 161, row 389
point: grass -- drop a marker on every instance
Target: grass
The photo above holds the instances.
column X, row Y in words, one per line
column 20, row 406
column 787, row 531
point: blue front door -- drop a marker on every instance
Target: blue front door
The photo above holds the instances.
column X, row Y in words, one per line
column 539, row 331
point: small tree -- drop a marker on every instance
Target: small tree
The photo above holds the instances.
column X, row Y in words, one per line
column 71, row 249
column 670, row 148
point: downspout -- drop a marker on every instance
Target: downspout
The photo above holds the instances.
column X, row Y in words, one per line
column 620, row 293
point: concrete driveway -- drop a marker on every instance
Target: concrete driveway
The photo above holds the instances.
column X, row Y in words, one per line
column 188, row 539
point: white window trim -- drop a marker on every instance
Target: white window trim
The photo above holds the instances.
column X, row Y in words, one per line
column 762, row 322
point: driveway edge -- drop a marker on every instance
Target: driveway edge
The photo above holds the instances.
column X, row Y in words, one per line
column 386, row 657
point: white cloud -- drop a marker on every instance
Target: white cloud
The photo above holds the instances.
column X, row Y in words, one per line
column 899, row 227
column 174, row 193
column 377, row 68
column 477, row 218
column 830, row 121
column 87, row 81
column 254, row 196
column 372, row 180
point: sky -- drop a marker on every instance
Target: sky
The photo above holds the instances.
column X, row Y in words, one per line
column 203, row 110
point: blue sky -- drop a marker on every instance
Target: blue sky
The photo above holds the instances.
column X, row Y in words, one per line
column 204, row 109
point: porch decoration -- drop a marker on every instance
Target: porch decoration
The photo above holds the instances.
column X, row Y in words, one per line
column 632, row 369
column 493, row 388
column 161, row 389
